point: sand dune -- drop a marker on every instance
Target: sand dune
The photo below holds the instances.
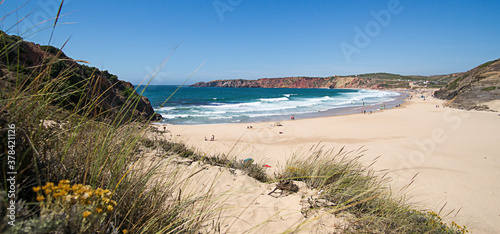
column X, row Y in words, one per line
column 455, row 154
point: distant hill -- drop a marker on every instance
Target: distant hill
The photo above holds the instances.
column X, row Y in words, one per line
column 370, row 80
column 23, row 63
column 473, row 88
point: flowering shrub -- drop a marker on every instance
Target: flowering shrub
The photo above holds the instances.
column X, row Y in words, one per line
column 97, row 202
column 74, row 208
column 295, row 170
column 435, row 222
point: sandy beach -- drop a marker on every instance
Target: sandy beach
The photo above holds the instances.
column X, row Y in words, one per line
column 453, row 153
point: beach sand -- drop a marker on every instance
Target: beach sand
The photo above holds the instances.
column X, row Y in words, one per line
column 454, row 153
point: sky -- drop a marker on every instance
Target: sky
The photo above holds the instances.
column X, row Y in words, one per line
column 251, row 39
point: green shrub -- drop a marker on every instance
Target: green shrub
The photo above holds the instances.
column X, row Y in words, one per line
column 453, row 84
column 128, row 92
column 489, row 88
column 487, row 64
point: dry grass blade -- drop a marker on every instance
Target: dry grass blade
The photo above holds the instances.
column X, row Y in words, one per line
column 55, row 21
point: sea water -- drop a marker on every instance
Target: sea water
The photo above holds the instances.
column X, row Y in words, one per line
column 213, row 105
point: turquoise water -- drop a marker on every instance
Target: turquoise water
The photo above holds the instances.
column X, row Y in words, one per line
column 194, row 105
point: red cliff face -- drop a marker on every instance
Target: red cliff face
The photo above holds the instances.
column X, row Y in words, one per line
column 293, row 82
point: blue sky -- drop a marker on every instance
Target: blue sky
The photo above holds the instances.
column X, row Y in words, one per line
column 251, row 39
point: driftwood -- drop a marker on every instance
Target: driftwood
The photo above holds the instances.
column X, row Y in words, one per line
column 285, row 185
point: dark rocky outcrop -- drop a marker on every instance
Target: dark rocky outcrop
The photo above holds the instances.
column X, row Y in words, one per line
column 28, row 64
column 473, row 88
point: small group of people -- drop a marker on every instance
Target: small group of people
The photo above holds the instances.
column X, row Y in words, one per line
column 249, row 127
column 211, row 138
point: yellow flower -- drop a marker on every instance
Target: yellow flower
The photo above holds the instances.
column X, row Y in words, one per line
column 63, row 192
column 47, row 191
column 98, row 210
column 125, row 231
column 113, row 203
column 36, row 189
column 80, row 191
column 86, row 214
column 64, row 182
column 40, row 198
column 65, row 187
column 107, row 192
column 48, row 185
column 76, row 187
column 99, row 192
column 110, row 207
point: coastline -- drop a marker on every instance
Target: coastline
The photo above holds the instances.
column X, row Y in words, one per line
column 444, row 146
column 335, row 112
column 344, row 109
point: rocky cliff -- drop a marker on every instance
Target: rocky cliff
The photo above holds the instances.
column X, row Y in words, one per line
column 363, row 81
column 298, row 82
column 97, row 94
column 472, row 89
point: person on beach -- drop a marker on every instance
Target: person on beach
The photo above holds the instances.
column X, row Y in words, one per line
column 212, row 138
column 292, row 118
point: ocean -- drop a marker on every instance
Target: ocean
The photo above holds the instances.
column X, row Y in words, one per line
column 211, row 105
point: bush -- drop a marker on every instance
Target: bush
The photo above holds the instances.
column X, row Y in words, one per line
column 128, row 92
column 489, row 88
column 51, row 49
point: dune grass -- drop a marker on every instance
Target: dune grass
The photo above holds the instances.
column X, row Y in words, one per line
column 350, row 187
column 56, row 144
column 249, row 168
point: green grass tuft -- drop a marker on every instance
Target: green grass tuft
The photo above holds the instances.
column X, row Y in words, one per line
column 489, row 88
column 350, row 187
